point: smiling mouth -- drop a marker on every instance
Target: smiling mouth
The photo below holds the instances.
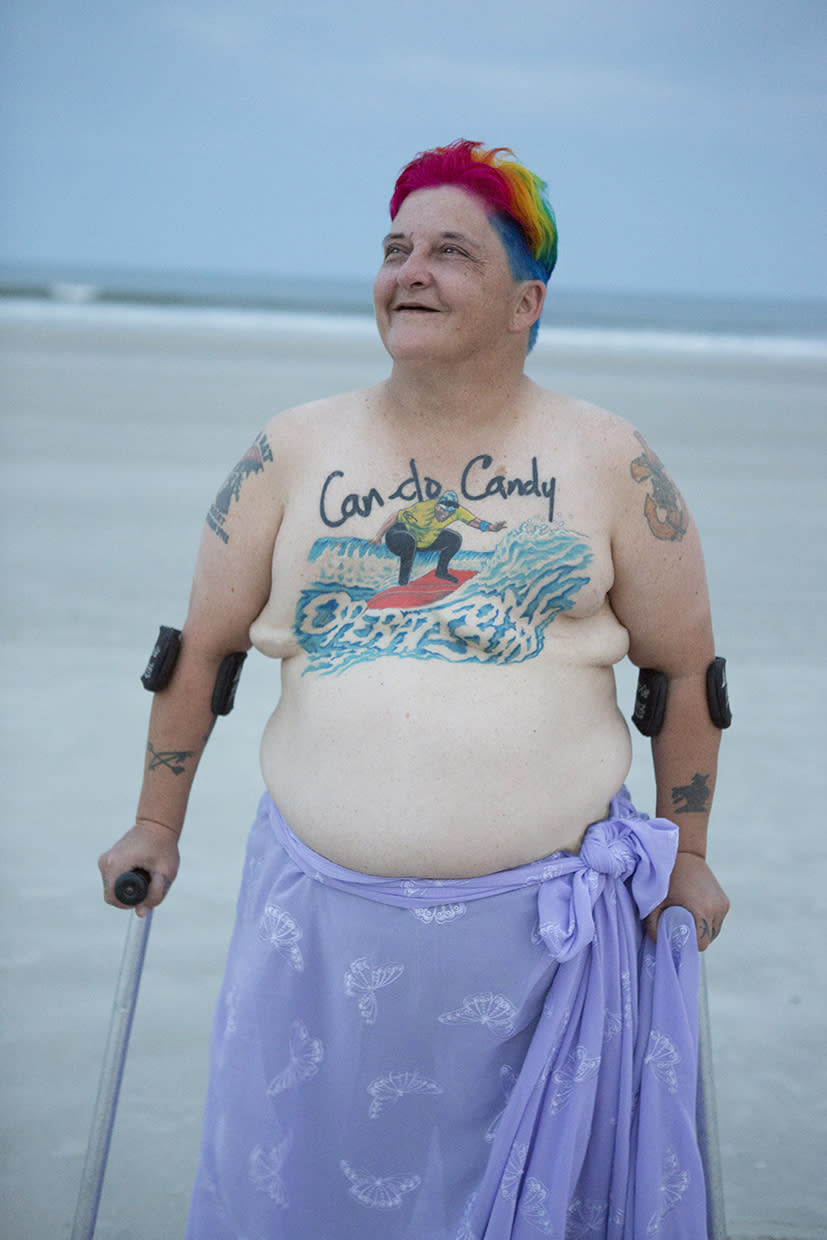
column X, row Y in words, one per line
column 413, row 307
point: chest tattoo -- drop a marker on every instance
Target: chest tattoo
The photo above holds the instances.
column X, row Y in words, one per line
column 405, row 584
column 478, row 481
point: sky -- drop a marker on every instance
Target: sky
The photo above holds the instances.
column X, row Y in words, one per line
column 684, row 144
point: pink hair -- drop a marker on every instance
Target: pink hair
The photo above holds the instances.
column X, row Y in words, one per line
column 506, row 188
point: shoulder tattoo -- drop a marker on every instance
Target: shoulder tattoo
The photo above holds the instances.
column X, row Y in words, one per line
column 253, row 462
column 663, row 507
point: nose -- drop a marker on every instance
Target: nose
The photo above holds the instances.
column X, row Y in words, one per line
column 414, row 272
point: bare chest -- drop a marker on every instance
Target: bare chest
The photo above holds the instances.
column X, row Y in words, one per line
column 469, row 556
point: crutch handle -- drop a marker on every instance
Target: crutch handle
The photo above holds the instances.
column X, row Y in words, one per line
column 131, row 887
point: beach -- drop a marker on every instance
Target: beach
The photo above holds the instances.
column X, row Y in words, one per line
column 118, row 426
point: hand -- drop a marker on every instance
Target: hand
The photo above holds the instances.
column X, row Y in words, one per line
column 148, row 846
column 693, row 886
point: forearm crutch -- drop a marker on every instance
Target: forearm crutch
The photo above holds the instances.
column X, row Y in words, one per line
column 707, row 1120
column 130, row 889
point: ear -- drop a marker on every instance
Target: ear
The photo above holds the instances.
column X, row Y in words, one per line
column 528, row 305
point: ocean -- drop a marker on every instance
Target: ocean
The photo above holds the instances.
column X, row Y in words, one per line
column 790, row 328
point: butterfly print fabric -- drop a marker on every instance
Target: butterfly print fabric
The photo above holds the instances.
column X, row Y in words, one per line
column 515, row 1060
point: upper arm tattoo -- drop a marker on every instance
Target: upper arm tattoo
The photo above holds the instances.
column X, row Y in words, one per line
column 692, row 798
column 253, row 462
column 663, row 507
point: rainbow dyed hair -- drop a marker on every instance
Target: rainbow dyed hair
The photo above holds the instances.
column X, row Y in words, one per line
column 514, row 197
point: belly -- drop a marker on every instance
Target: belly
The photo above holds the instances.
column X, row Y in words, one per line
column 429, row 769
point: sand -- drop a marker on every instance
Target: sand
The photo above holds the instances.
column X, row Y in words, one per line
column 117, row 429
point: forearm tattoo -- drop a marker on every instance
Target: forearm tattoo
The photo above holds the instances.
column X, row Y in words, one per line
column 663, row 507
column 174, row 760
column 692, row 798
column 252, row 462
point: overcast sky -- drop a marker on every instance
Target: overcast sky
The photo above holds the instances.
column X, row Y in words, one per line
column 684, row 141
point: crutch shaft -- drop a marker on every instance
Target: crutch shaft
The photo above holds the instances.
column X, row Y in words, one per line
column 106, row 1104
column 708, row 1119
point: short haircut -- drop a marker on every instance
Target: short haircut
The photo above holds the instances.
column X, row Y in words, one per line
column 514, row 197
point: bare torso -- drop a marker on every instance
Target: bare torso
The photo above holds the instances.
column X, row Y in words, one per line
column 469, row 723
column 455, row 735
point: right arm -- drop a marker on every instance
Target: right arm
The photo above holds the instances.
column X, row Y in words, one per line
column 231, row 585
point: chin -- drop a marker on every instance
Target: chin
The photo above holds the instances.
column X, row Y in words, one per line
column 411, row 339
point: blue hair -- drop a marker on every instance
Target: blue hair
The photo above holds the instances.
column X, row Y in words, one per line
column 523, row 264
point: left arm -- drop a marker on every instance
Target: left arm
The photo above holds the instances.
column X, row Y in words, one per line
column 494, row 526
column 660, row 596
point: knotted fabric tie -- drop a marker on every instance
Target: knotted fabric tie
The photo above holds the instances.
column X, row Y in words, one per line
column 618, row 860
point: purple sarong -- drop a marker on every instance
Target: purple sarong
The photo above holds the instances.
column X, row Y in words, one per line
column 494, row 1058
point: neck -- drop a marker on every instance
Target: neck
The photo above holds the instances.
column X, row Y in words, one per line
column 472, row 395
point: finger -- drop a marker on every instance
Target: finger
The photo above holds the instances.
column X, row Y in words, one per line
column 109, row 892
column 707, row 932
column 158, row 888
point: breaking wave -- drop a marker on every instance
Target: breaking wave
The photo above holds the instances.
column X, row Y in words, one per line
column 499, row 615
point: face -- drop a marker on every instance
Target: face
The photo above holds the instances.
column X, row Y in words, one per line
column 445, row 288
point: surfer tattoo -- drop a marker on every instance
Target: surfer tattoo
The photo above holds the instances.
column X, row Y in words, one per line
column 411, row 589
column 663, row 507
column 424, row 527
